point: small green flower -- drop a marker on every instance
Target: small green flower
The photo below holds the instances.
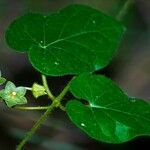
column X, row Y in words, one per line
column 2, row 80
column 38, row 90
column 12, row 95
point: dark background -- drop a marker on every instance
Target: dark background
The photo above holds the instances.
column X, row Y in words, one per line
column 130, row 69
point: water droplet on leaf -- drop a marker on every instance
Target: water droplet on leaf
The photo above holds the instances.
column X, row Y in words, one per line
column 56, row 63
column 82, row 124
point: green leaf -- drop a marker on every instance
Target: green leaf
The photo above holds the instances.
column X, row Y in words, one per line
column 12, row 95
column 73, row 40
column 2, row 80
column 108, row 115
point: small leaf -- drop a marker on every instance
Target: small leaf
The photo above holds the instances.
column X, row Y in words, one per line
column 2, row 80
column 110, row 115
column 12, row 95
column 74, row 40
column 38, row 90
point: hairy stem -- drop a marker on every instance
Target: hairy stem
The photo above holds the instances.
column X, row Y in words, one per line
column 124, row 9
column 45, row 84
column 56, row 103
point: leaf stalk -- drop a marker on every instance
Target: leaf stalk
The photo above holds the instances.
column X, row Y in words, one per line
column 124, row 10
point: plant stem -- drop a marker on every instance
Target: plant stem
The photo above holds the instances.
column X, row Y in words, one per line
column 31, row 108
column 62, row 107
column 45, row 84
column 49, row 93
column 56, row 103
column 28, row 88
column 35, row 107
column 124, row 10
column 36, row 127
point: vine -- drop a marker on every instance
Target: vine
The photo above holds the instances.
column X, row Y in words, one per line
column 69, row 48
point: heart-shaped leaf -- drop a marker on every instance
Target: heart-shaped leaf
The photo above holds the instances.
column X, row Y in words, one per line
column 110, row 115
column 74, row 40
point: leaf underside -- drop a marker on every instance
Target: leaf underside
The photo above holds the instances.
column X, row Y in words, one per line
column 74, row 40
column 110, row 115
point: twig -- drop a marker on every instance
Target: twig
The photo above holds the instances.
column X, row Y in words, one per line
column 124, row 9
column 56, row 103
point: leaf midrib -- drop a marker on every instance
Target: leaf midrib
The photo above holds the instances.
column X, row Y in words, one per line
column 119, row 111
column 68, row 37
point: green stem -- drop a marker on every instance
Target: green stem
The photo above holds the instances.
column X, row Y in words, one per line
column 28, row 88
column 124, row 10
column 36, row 127
column 45, row 84
column 31, row 108
column 35, row 107
column 62, row 107
column 56, row 103
column 49, row 93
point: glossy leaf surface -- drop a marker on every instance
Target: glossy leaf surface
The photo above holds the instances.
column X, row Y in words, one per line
column 110, row 115
column 74, row 40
